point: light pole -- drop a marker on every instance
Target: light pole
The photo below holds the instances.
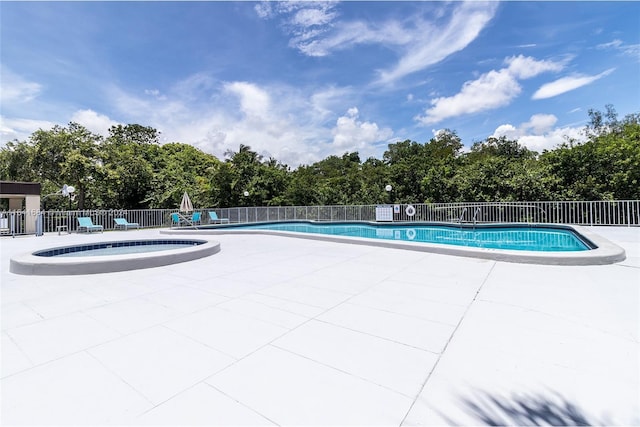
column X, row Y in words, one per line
column 67, row 191
column 388, row 189
column 246, row 206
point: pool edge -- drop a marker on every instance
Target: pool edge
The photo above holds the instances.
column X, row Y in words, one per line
column 32, row 265
column 606, row 252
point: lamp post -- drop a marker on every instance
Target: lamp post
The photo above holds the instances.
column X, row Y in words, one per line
column 246, row 206
column 388, row 189
column 67, row 191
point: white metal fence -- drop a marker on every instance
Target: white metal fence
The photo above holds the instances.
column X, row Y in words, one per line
column 617, row 212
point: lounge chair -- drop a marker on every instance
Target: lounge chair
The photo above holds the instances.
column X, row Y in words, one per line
column 85, row 224
column 213, row 218
column 178, row 220
column 123, row 223
column 196, row 218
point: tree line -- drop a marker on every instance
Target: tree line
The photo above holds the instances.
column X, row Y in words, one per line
column 130, row 169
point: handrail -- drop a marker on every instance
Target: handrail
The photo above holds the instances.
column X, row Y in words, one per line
column 475, row 214
column 462, row 215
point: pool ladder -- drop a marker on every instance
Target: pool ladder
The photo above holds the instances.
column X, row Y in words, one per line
column 475, row 216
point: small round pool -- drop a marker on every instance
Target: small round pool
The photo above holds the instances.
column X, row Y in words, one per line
column 111, row 256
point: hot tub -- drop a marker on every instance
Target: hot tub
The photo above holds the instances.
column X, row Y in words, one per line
column 111, row 256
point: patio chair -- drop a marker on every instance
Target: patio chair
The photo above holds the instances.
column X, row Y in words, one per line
column 196, row 218
column 213, row 218
column 85, row 224
column 123, row 223
column 178, row 220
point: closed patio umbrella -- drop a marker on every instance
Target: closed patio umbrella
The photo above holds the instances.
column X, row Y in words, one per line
column 186, row 205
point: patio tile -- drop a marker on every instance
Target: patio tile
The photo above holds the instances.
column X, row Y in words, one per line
column 449, row 294
column 17, row 314
column 336, row 283
column 356, row 271
column 132, row 315
column 72, row 390
column 580, row 297
column 263, row 312
column 118, row 290
column 184, row 299
column 398, row 367
column 298, row 308
column 533, row 331
column 53, row 338
column 297, row 391
column 16, row 291
column 532, row 337
column 159, row 362
column 13, row 359
column 261, row 275
column 231, row 333
column 394, row 259
column 202, row 405
column 397, row 303
column 64, row 303
column 508, row 394
column 423, row 334
column 296, row 291
column 231, row 287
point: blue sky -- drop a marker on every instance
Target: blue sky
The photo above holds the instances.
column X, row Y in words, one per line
column 300, row 81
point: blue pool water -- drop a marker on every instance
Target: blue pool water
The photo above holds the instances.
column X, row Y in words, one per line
column 523, row 238
column 118, row 248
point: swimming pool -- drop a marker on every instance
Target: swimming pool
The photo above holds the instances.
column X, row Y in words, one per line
column 111, row 256
column 544, row 239
column 553, row 244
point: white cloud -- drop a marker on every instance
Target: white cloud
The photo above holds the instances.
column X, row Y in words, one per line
column 430, row 43
column 539, row 133
column 317, row 16
column 525, row 67
column 255, row 102
column 541, row 123
column 293, row 125
column 419, row 41
column 491, row 90
column 17, row 89
column 327, row 100
column 21, row 129
column 632, row 50
column 96, row 123
column 304, row 21
column 566, row 84
column 351, row 134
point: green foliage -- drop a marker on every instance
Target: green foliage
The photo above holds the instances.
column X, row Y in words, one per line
column 130, row 169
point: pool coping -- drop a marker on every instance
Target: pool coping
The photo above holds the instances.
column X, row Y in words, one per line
column 29, row 264
column 606, row 252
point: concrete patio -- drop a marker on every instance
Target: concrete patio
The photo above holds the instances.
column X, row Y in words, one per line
column 283, row 331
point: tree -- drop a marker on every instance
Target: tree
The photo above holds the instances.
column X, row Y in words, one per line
column 443, row 154
column 127, row 175
column 605, row 167
column 408, row 165
column 499, row 169
column 67, row 156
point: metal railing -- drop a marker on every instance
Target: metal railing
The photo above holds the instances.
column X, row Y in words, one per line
column 616, row 212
